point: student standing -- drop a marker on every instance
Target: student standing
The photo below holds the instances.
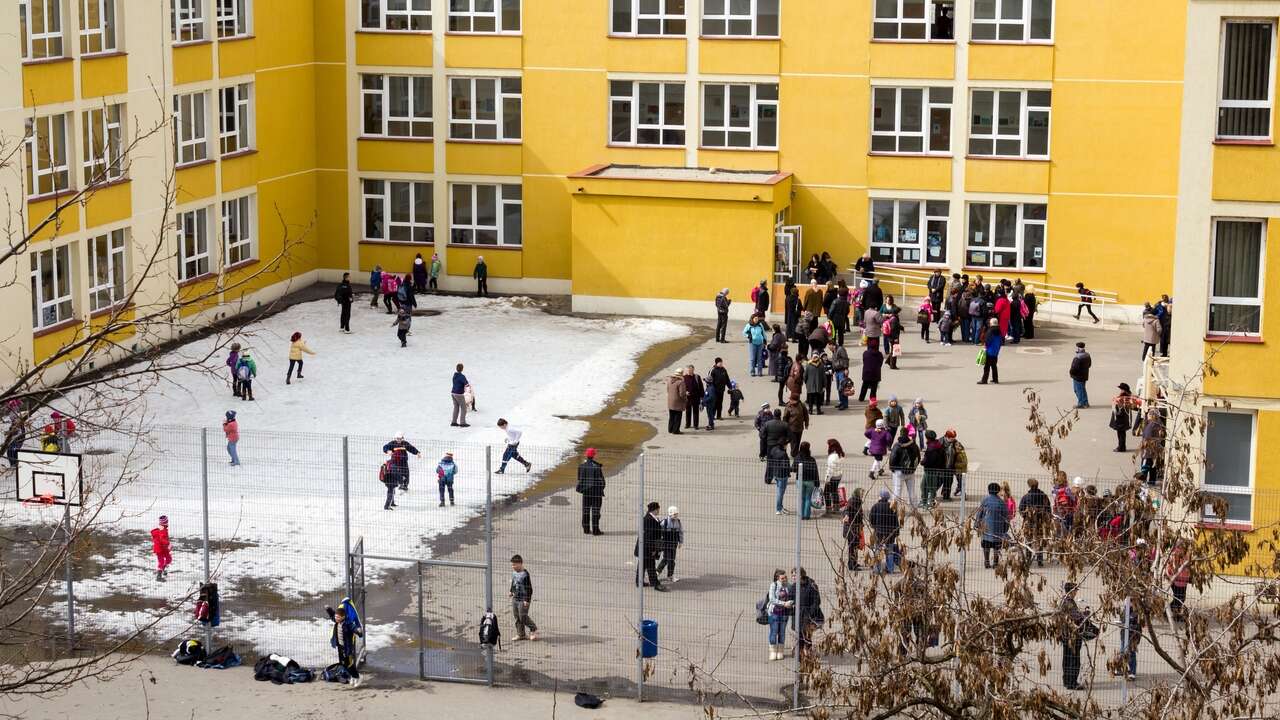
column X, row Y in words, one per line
column 481, row 275
column 160, row 548
column 805, row 469
column 903, row 461
column 672, row 539
column 722, row 315
column 777, row 608
column 1079, row 372
column 419, row 273
column 512, row 451
column 344, row 295
column 231, row 429
column 434, row 278
column 458, row 391
column 591, row 485
column 446, row 471
column 343, row 639
column 991, row 361
column 375, row 284
column 233, row 362
column 521, row 596
column 246, row 371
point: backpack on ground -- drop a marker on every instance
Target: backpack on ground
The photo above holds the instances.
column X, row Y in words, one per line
column 587, row 700
column 220, row 659
column 762, row 610
column 490, row 634
column 189, row 652
column 335, row 673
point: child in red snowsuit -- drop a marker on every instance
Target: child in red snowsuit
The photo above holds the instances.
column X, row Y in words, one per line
column 160, row 546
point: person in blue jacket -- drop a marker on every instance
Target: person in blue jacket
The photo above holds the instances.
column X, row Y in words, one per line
column 993, row 519
column 446, row 471
column 375, row 284
column 754, row 333
column 993, row 342
column 346, row 628
column 398, row 451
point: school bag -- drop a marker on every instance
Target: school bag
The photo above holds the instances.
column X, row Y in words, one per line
column 335, row 673
column 243, row 372
column 886, row 327
column 220, row 659
column 587, row 700
column 762, row 610
column 189, row 652
column 490, row 634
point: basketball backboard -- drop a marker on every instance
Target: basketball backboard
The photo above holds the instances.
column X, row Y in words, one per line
column 47, row 477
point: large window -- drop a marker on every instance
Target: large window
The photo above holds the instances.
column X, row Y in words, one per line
column 45, row 149
column 484, row 16
column 1248, row 75
column 1010, row 123
column 1013, row 20
column 486, row 215
column 103, row 144
column 740, row 18
column 233, row 18
column 407, row 15
column 1235, row 297
column 648, row 17
column 397, row 105
column 97, row 26
column 484, row 108
column 106, row 270
column 51, row 287
column 911, row 120
column 911, row 232
column 193, row 244
column 190, row 133
column 646, row 113
column 398, row 211
column 40, row 23
column 1229, row 461
column 914, row 20
column 235, row 118
column 740, row 116
column 187, row 20
column 1006, row 235
column 239, row 228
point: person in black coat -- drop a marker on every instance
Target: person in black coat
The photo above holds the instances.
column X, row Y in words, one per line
column 719, row 384
column 839, row 315
column 398, row 464
column 344, row 295
column 650, row 544
column 762, row 298
column 419, row 274
column 408, row 299
column 776, row 433
column 808, row 609
column 793, row 307
column 591, row 487
column 872, row 369
column 885, row 525
column 1036, row 513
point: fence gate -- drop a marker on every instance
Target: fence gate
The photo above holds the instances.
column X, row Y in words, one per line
column 355, row 586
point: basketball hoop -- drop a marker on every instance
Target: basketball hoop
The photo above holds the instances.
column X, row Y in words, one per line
column 49, row 478
column 39, row 500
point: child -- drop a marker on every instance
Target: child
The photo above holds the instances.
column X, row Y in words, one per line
column 735, row 398
column 445, row 472
column 402, row 323
column 345, row 632
column 946, row 326
column 709, row 404
column 521, row 595
column 232, row 430
column 160, row 546
column 233, row 363
column 246, row 370
column 375, row 284
column 925, row 318
column 672, row 539
column 918, row 417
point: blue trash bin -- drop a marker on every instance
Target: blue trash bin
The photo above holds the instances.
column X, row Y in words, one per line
column 648, row 638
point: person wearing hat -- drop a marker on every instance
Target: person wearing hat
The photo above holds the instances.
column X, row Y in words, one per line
column 871, row 414
column 722, row 315
column 993, row 518
column 1122, row 407
column 992, row 344
column 1079, row 373
column 446, row 471
column 648, row 546
column 672, row 539
column 762, row 418
column 591, row 487
column 231, row 429
column 957, row 463
column 246, row 371
column 677, row 401
column 1072, row 638
column 879, row 440
column 885, row 525
column 160, row 546
column 762, row 298
column 397, row 465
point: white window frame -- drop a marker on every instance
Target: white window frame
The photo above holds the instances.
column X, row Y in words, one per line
column 1020, row 236
column 505, row 195
column 921, row 245
column 49, row 42
column 195, row 263
column 48, row 162
column 757, row 105
column 1024, row 23
column 1250, row 489
column 239, row 230
column 103, row 144
column 665, row 19
column 108, row 281
column 188, row 21
column 382, row 94
column 410, row 11
column 1269, row 103
column 236, row 15
column 60, row 299
column 1023, row 136
column 501, row 95
column 189, row 118
column 383, row 193
column 898, row 21
column 107, row 30
column 235, row 119
column 632, row 102
column 471, row 16
column 728, row 17
column 1258, row 302
column 927, row 105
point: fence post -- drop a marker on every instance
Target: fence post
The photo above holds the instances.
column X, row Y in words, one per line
column 964, row 516
column 488, row 552
column 795, row 685
column 346, row 516
column 422, row 630
column 640, row 577
column 1124, row 646
column 204, row 506
column 71, row 592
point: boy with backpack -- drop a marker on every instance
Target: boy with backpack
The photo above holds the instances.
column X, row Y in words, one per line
column 246, row 371
column 346, row 629
column 735, row 399
column 160, row 547
column 445, row 472
column 521, row 595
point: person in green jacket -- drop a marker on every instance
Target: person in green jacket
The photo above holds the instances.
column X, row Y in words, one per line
column 481, row 274
column 246, row 371
column 434, row 273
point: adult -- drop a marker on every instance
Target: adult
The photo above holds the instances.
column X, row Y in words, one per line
column 840, row 368
column 777, row 346
column 778, row 607
column 872, row 297
column 397, row 467
column 873, row 325
column 814, row 378
column 1029, row 321
column 957, row 464
column 839, row 313
column 851, row 527
column 481, row 275
column 1002, row 309
column 1072, row 638
column 722, row 314
column 677, row 399
column 672, row 540
column 991, row 360
column 811, row 270
column 458, row 391
column 648, row 545
column 993, row 517
column 865, row 267
column 834, row 474
column 591, row 486
column 1151, row 447
column 872, row 370
column 754, row 332
column 1079, row 372
column 797, row 419
column 1122, row 407
column 1086, row 302
column 805, row 468
column 763, row 417
column 1035, row 511
column 777, row 472
column 433, row 279
column 776, row 432
column 808, row 610
column 893, row 336
column 934, row 462
column 1017, row 311
column 1164, row 311
column 694, row 390
column 419, row 273
column 1150, row 332
column 762, row 299
column 792, row 309
column 344, row 295
column 795, row 375
column 512, row 449
column 297, row 346
column 827, row 269
column 884, row 525
column 936, row 286
column 903, row 461
column 813, row 299
column 782, row 371
column 719, row 377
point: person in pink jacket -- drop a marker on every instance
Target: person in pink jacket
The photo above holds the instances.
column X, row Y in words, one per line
column 390, row 284
column 231, row 429
column 1002, row 311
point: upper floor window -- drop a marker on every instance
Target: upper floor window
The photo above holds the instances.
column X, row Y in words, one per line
column 914, row 20
column 1248, row 76
column 740, row 116
column 740, row 18
column 646, row 113
column 648, row 17
column 1235, row 294
column 408, row 15
column 1006, row 235
column 51, row 297
column 911, row 232
column 103, row 144
column 193, row 244
column 97, row 26
column 45, row 148
column 190, row 133
column 484, row 16
column 235, row 118
column 40, row 24
column 233, row 18
column 1230, row 454
column 398, row 211
column 911, row 120
column 486, row 215
column 1010, row 123
column 239, row 227
column 484, row 108
column 1013, row 20
column 106, row 266
column 397, row 106
column 188, row 20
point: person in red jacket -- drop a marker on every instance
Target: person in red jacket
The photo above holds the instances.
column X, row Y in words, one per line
column 160, row 546
column 58, row 433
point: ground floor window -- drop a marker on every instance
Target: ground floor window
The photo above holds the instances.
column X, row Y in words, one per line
column 1229, row 461
column 1007, row 235
column 486, row 215
column 398, row 211
column 910, row 232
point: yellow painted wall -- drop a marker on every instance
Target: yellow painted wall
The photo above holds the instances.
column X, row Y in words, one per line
column 1096, row 39
column 48, row 344
column 394, row 155
column 547, row 222
column 113, row 203
column 647, row 55
column 395, row 49
column 1129, row 243
column 833, row 155
column 393, row 257
column 45, row 83
column 1007, row 176
column 1093, row 116
column 461, row 261
column 237, row 57
column 480, row 158
column 483, row 51
column 739, row 56
column 67, row 222
column 192, row 63
column 104, row 75
column 885, row 172
column 1246, row 172
column 912, row 60
column 1011, row 62
column 834, row 220
column 239, row 172
column 1250, row 369
column 738, row 159
column 196, row 182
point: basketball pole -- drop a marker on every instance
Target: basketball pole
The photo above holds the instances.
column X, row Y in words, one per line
column 204, row 504
column 71, row 595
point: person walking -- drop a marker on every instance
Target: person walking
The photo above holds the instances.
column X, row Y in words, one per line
column 672, row 539
column 722, row 302
column 458, row 391
column 903, row 461
column 1079, row 372
column 481, row 275
column 797, row 419
column 778, row 606
column 419, row 273
column 406, row 295
column 879, row 441
column 1150, row 332
column 590, row 486
column 160, row 547
column 719, row 377
column 834, row 474
column 884, row 525
column 1086, row 302
column 398, row 451
column 763, row 416
column 343, row 639
column 344, row 295
column 694, row 390
column 814, row 379
column 521, row 594
column 991, row 357
column 246, row 371
column 1072, row 638
column 1122, row 407
column 892, row 337
column 446, row 471
column 231, row 429
column 872, row 370
column 993, row 518
column 375, row 284
column 805, row 469
column 647, row 547
column 512, row 450
column 390, row 291
column 934, row 462
column 433, row 276
column 957, row 459
column 851, row 526
column 782, row 372
column 839, row 313
column 402, row 323
column 753, row 331
column 297, row 346
column 677, row 401
column 840, row 368
column 233, row 364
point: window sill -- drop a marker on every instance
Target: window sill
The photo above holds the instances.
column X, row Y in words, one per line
column 196, row 279
column 240, row 153
column 1033, row 43
column 397, row 243
column 469, row 246
column 1006, row 157
column 636, row 146
column 739, row 37
column 738, row 149
column 390, row 138
column 111, row 309
column 1227, row 525
column 632, row 36
column 235, row 38
column 890, row 41
column 912, row 266
column 883, row 153
column 56, row 194
column 485, row 142
column 47, row 61
column 103, row 55
column 55, row 327
column 982, row 269
column 1244, row 339
column 107, row 184
column 190, row 43
column 464, row 33
column 241, row 265
column 384, row 31
column 193, row 164
column 1259, row 142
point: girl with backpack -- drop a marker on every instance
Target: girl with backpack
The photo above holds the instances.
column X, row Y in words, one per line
column 778, row 607
column 446, row 470
column 390, row 290
column 246, row 371
column 924, row 316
